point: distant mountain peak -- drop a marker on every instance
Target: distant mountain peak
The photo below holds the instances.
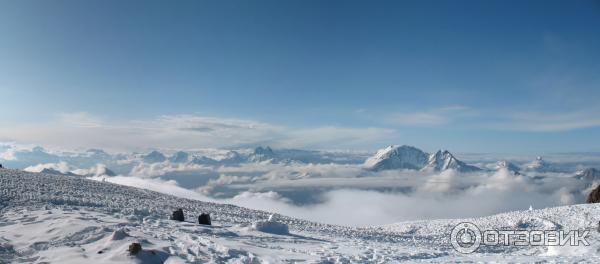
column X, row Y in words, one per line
column 179, row 157
column 503, row 164
column 397, row 157
column 539, row 165
column 589, row 174
column 444, row 160
column 262, row 154
column 154, row 156
column 265, row 150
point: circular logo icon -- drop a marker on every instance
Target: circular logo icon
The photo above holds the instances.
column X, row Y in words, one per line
column 465, row 238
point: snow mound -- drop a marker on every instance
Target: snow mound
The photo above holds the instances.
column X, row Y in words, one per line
column 119, row 234
column 271, row 226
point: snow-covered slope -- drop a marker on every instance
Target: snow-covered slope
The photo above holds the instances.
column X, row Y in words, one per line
column 68, row 219
column 444, row 160
column 96, row 209
column 397, row 157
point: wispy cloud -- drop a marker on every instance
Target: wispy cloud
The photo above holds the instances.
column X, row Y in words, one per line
column 547, row 122
column 80, row 119
column 556, row 121
column 433, row 117
column 184, row 132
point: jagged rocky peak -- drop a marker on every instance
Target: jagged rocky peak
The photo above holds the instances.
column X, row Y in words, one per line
column 179, row 157
column 444, row 160
column 154, row 156
column 397, row 157
column 589, row 174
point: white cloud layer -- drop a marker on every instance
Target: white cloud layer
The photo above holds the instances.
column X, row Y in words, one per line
column 348, row 196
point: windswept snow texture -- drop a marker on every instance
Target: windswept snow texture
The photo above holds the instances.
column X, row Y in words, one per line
column 69, row 219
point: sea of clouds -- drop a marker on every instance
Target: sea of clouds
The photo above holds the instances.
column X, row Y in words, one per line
column 333, row 193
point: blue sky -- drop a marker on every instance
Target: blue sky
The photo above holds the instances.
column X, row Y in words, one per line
column 470, row 76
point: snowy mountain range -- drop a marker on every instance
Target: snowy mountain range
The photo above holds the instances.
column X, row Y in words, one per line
column 408, row 157
column 389, row 158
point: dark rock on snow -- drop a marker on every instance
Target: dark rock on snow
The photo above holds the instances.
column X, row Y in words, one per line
column 134, row 248
column 594, row 196
column 204, row 219
column 178, row 215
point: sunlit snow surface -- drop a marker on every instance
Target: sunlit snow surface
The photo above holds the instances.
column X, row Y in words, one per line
column 67, row 219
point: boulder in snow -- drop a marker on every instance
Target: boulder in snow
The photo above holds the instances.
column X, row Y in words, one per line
column 134, row 248
column 204, row 219
column 178, row 215
column 594, row 196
